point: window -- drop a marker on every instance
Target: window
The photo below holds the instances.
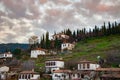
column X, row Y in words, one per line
column 32, row 75
column 83, row 66
column 56, row 75
column 28, row 76
column 82, row 76
column 25, row 76
column 80, row 66
column 63, row 75
column 88, row 65
column 22, row 76
column 53, row 63
column 73, row 75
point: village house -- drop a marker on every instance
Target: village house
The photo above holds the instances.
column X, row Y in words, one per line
column 86, row 70
column 36, row 52
column 28, row 75
column 87, row 65
column 60, row 36
column 6, row 55
column 61, row 75
column 67, row 46
column 3, row 72
column 52, row 65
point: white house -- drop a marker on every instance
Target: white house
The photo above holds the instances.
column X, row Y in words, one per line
column 87, row 65
column 60, row 36
column 61, row 75
column 86, row 70
column 68, row 46
column 6, row 55
column 3, row 72
column 36, row 52
column 52, row 65
column 28, row 75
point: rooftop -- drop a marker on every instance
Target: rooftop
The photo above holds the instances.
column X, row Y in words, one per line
column 55, row 59
column 28, row 72
column 108, row 69
column 111, row 75
column 62, row 71
column 85, row 61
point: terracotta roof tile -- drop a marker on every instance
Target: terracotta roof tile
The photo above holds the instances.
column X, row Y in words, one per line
column 108, row 69
column 62, row 71
column 27, row 72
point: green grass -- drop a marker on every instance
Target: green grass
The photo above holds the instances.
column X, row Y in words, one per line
column 89, row 49
column 94, row 47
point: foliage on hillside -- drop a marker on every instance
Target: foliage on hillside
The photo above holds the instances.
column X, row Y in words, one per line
column 107, row 47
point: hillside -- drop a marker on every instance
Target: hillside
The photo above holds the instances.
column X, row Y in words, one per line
column 106, row 47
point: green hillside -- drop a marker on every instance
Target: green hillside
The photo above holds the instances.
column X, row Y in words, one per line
column 108, row 46
column 91, row 48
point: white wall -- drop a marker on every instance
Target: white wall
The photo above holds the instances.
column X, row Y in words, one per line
column 91, row 66
column 94, row 66
column 35, row 77
column 60, row 76
column 6, row 55
column 69, row 46
column 35, row 53
column 58, row 64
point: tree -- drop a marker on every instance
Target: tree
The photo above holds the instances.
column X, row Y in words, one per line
column 17, row 53
column 68, row 32
column 74, row 34
column 109, row 29
column 47, row 42
column 42, row 43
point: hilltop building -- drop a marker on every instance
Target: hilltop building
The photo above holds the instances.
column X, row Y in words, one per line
column 60, row 36
column 67, row 46
column 36, row 52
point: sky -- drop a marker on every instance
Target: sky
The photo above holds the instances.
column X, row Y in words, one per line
column 21, row 19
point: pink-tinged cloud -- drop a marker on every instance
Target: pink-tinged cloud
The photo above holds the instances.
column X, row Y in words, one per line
column 103, row 8
column 20, row 19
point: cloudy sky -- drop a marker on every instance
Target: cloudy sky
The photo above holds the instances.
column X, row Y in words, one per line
column 20, row 19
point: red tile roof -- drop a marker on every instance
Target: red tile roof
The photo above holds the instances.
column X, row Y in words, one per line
column 85, row 61
column 55, row 59
column 62, row 71
column 108, row 69
column 111, row 75
column 27, row 72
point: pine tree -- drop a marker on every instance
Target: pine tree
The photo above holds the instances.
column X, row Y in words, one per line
column 47, row 42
